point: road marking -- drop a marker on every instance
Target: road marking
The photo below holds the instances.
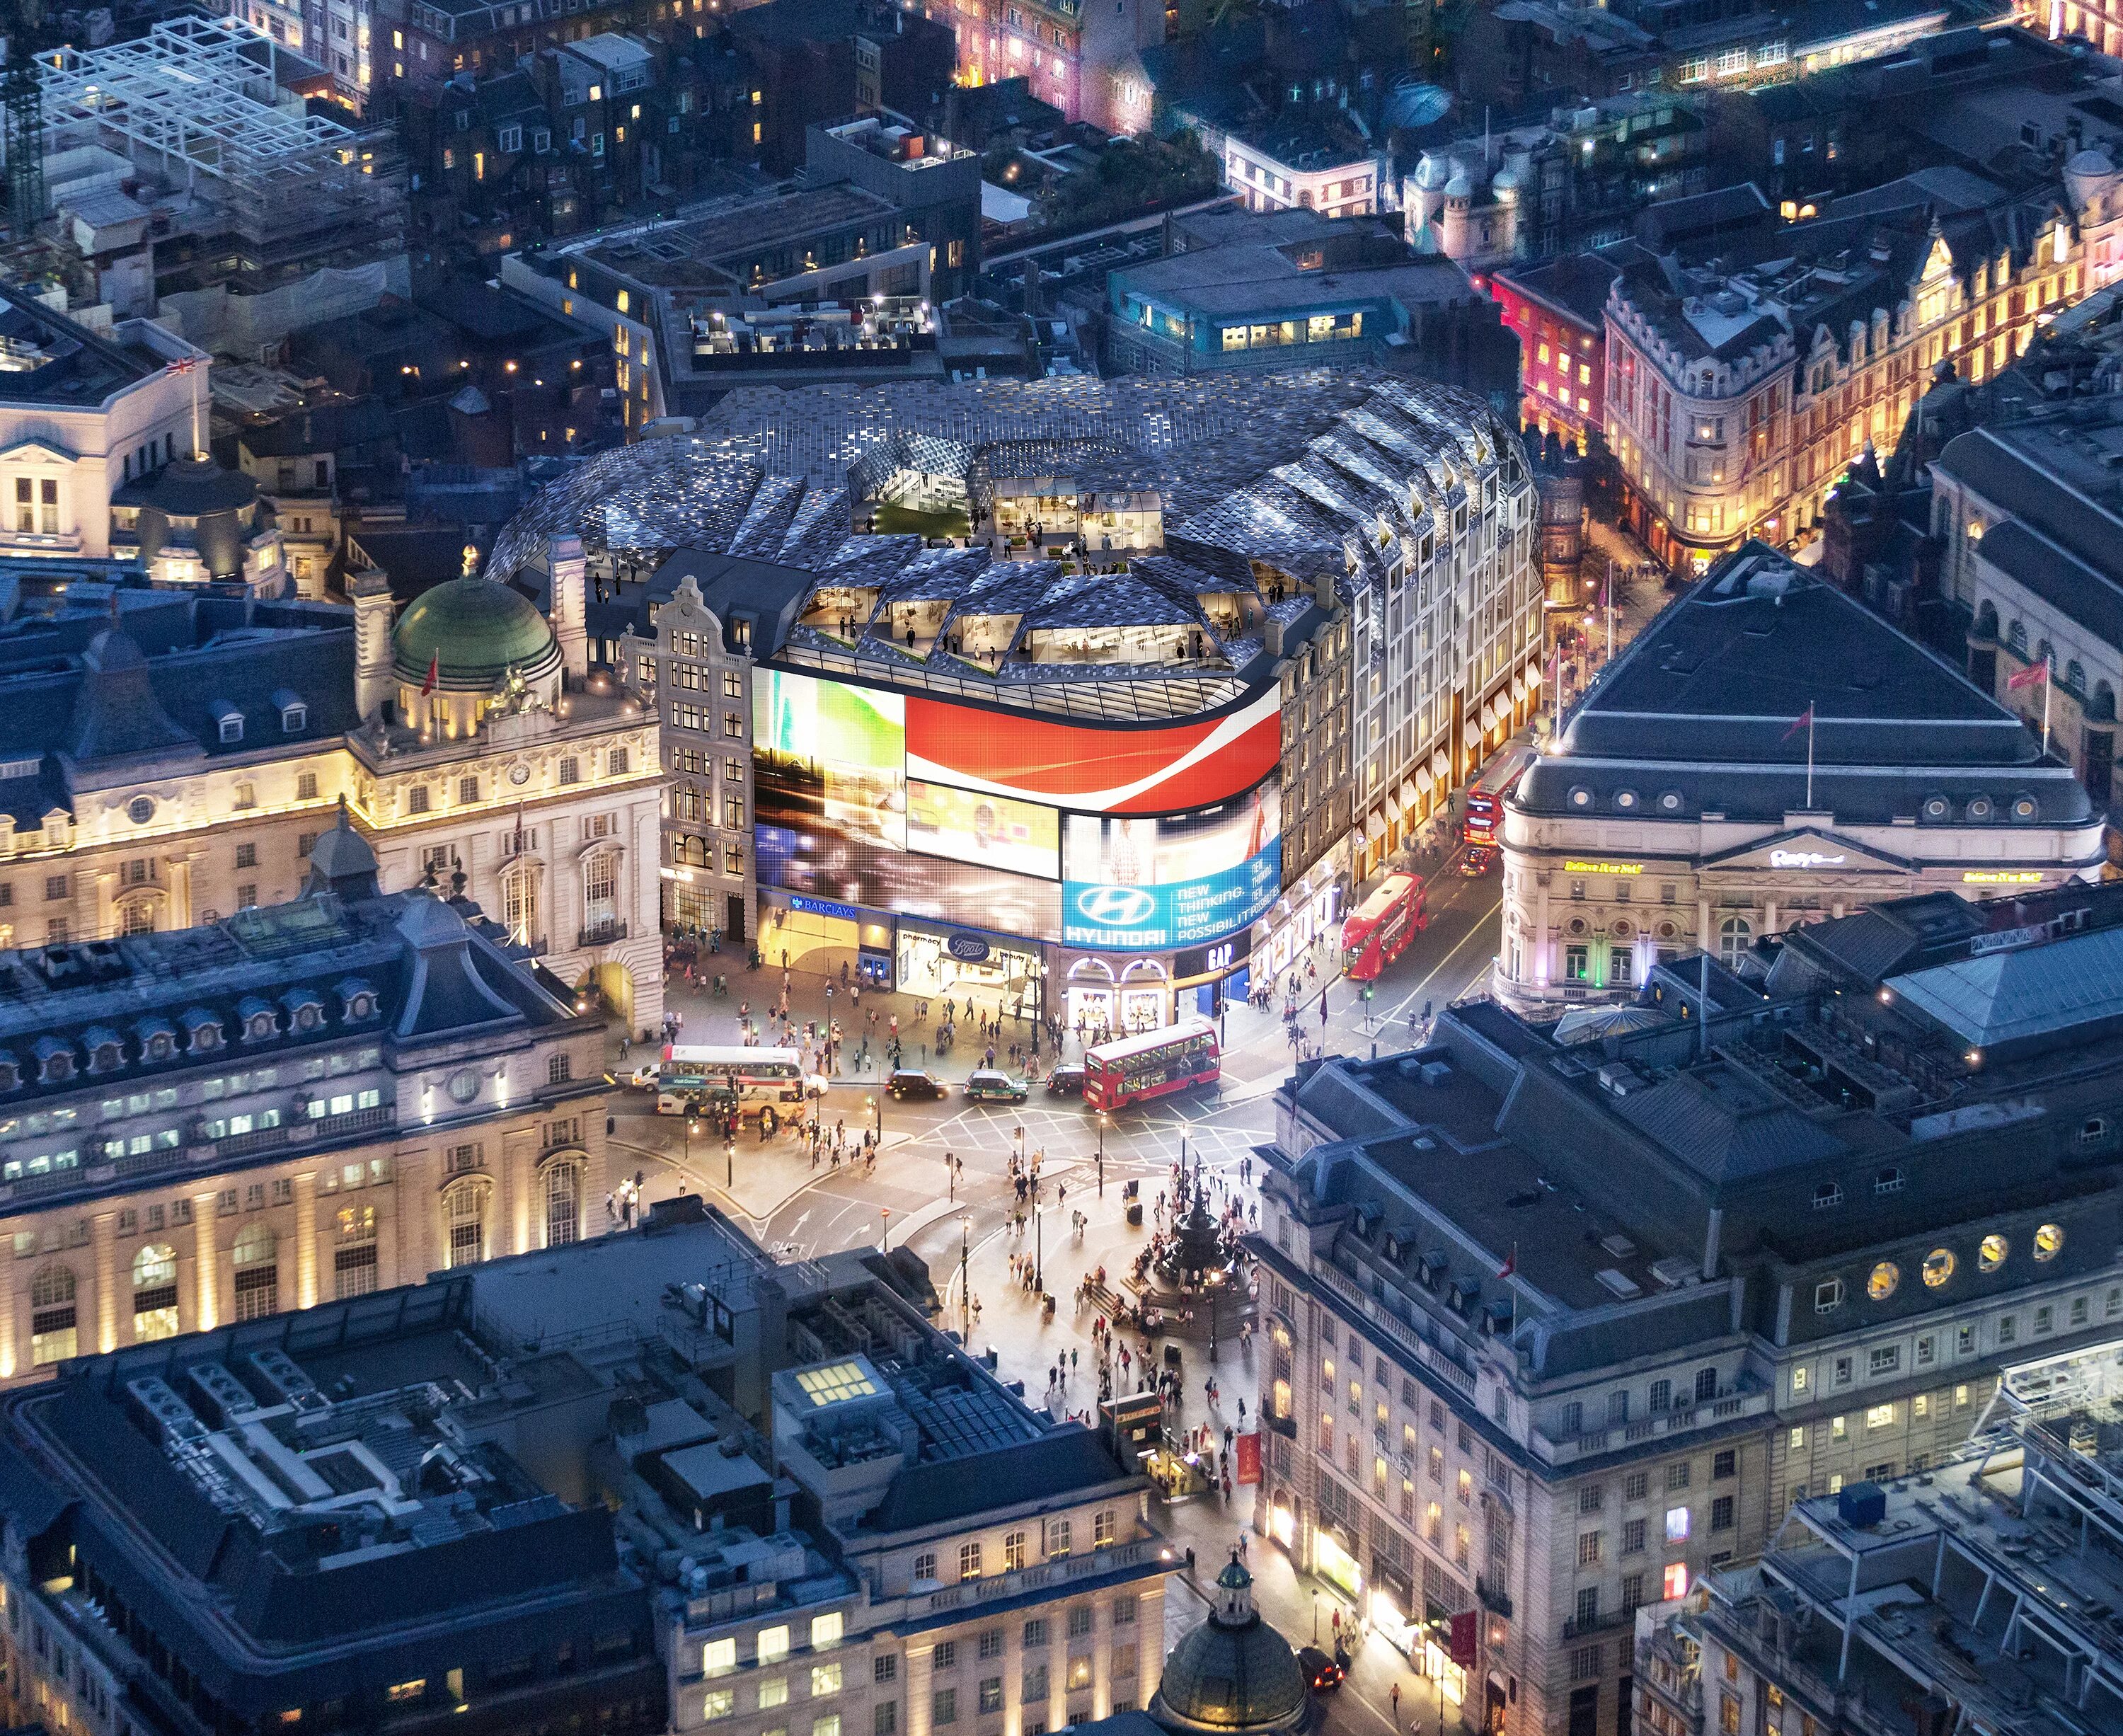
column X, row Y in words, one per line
column 1480, row 922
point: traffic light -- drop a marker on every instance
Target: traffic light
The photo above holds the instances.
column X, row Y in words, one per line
column 1364, row 992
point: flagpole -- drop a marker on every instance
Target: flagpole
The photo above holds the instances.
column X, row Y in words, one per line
column 2048, row 681
column 1809, row 757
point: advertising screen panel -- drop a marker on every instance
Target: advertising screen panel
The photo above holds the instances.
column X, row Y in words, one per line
column 830, row 759
column 986, row 831
column 1107, row 770
column 1137, row 883
column 849, row 871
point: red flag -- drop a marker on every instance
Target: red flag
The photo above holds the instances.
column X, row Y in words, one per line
column 1249, row 1457
column 434, row 674
column 1510, row 1264
column 183, row 365
column 1803, row 721
column 1466, row 1639
column 2033, row 675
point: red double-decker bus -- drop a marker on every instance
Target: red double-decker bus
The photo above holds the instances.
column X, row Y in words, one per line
column 1129, row 1069
column 1375, row 934
column 1485, row 801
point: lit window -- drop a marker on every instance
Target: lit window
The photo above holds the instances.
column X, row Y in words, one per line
column 1676, row 1524
column 1676, row 1580
column 1885, row 1276
column 773, row 1644
column 1938, row 1267
column 2048, row 1240
column 399, row 1692
column 719, row 1657
column 1880, row 1416
column 1991, row 1255
column 825, row 1632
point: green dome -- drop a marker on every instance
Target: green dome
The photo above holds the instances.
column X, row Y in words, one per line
column 474, row 630
column 1231, row 1676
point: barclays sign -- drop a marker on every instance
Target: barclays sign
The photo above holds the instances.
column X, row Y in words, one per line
column 1186, row 913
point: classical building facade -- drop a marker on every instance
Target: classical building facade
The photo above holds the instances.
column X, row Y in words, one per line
column 83, row 417
column 1736, row 400
column 1559, row 1319
column 179, row 766
column 302, row 1101
column 1774, row 755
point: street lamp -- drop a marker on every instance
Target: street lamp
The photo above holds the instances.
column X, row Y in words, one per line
column 1038, row 1241
column 692, row 1127
column 1101, row 1154
column 1315, row 1615
column 876, row 1106
column 965, row 1282
column 886, row 1212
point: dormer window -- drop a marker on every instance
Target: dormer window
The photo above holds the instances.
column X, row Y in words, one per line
column 54, row 1060
column 227, row 722
column 305, row 1012
column 356, row 999
column 202, row 1030
column 106, row 1054
column 293, row 709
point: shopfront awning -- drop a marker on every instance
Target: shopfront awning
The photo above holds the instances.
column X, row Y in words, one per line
column 1393, row 808
column 1408, row 796
column 1472, row 735
column 1440, row 767
column 1423, row 780
column 1518, row 686
column 1374, row 827
column 1489, row 718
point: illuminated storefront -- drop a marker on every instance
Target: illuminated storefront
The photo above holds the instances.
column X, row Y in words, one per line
column 1332, row 1561
column 937, row 960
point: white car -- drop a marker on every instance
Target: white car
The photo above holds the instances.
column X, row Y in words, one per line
column 644, row 1078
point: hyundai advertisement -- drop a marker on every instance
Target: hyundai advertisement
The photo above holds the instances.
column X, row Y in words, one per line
column 1187, row 914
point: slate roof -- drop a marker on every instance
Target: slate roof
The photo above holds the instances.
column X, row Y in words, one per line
column 1062, row 1461
column 1995, row 999
column 1698, row 715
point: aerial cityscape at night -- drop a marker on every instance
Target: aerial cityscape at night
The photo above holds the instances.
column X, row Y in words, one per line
column 960, row 868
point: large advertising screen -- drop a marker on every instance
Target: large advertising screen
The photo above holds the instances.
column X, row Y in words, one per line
column 850, row 872
column 830, row 759
column 1136, row 882
column 1159, row 769
column 986, row 831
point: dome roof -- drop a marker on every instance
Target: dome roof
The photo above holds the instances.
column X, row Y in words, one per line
column 192, row 503
column 1503, row 181
column 474, row 631
column 2089, row 161
column 1432, row 171
column 1234, row 1672
column 1459, row 187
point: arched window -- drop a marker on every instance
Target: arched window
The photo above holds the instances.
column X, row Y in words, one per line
column 1734, row 936
column 564, row 1198
column 600, row 890
column 138, row 917
column 464, row 1212
column 51, row 1315
column 154, row 1292
column 257, row 1263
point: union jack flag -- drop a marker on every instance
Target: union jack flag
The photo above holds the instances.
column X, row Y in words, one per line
column 184, row 364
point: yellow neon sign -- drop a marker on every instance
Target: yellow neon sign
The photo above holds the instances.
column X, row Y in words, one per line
column 1569, row 867
column 2000, row 877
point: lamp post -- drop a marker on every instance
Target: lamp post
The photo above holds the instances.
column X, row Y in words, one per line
column 876, row 1106
column 965, row 1281
column 1315, row 1615
column 1101, row 1154
column 729, row 1163
column 692, row 1127
column 1038, row 1241
column 886, row 1212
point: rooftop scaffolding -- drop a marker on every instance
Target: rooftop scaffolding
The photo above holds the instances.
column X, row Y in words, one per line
column 198, row 104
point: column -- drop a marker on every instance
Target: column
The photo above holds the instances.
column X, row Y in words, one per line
column 306, row 1239
column 918, row 1702
column 518, row 1159
column 206, row 1261
column 1541, row 959
column 100, row 1230
column 1768, row 915
column 181, row 915
column 1703, row 938
column 9, row 1359
column 388, row 1239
